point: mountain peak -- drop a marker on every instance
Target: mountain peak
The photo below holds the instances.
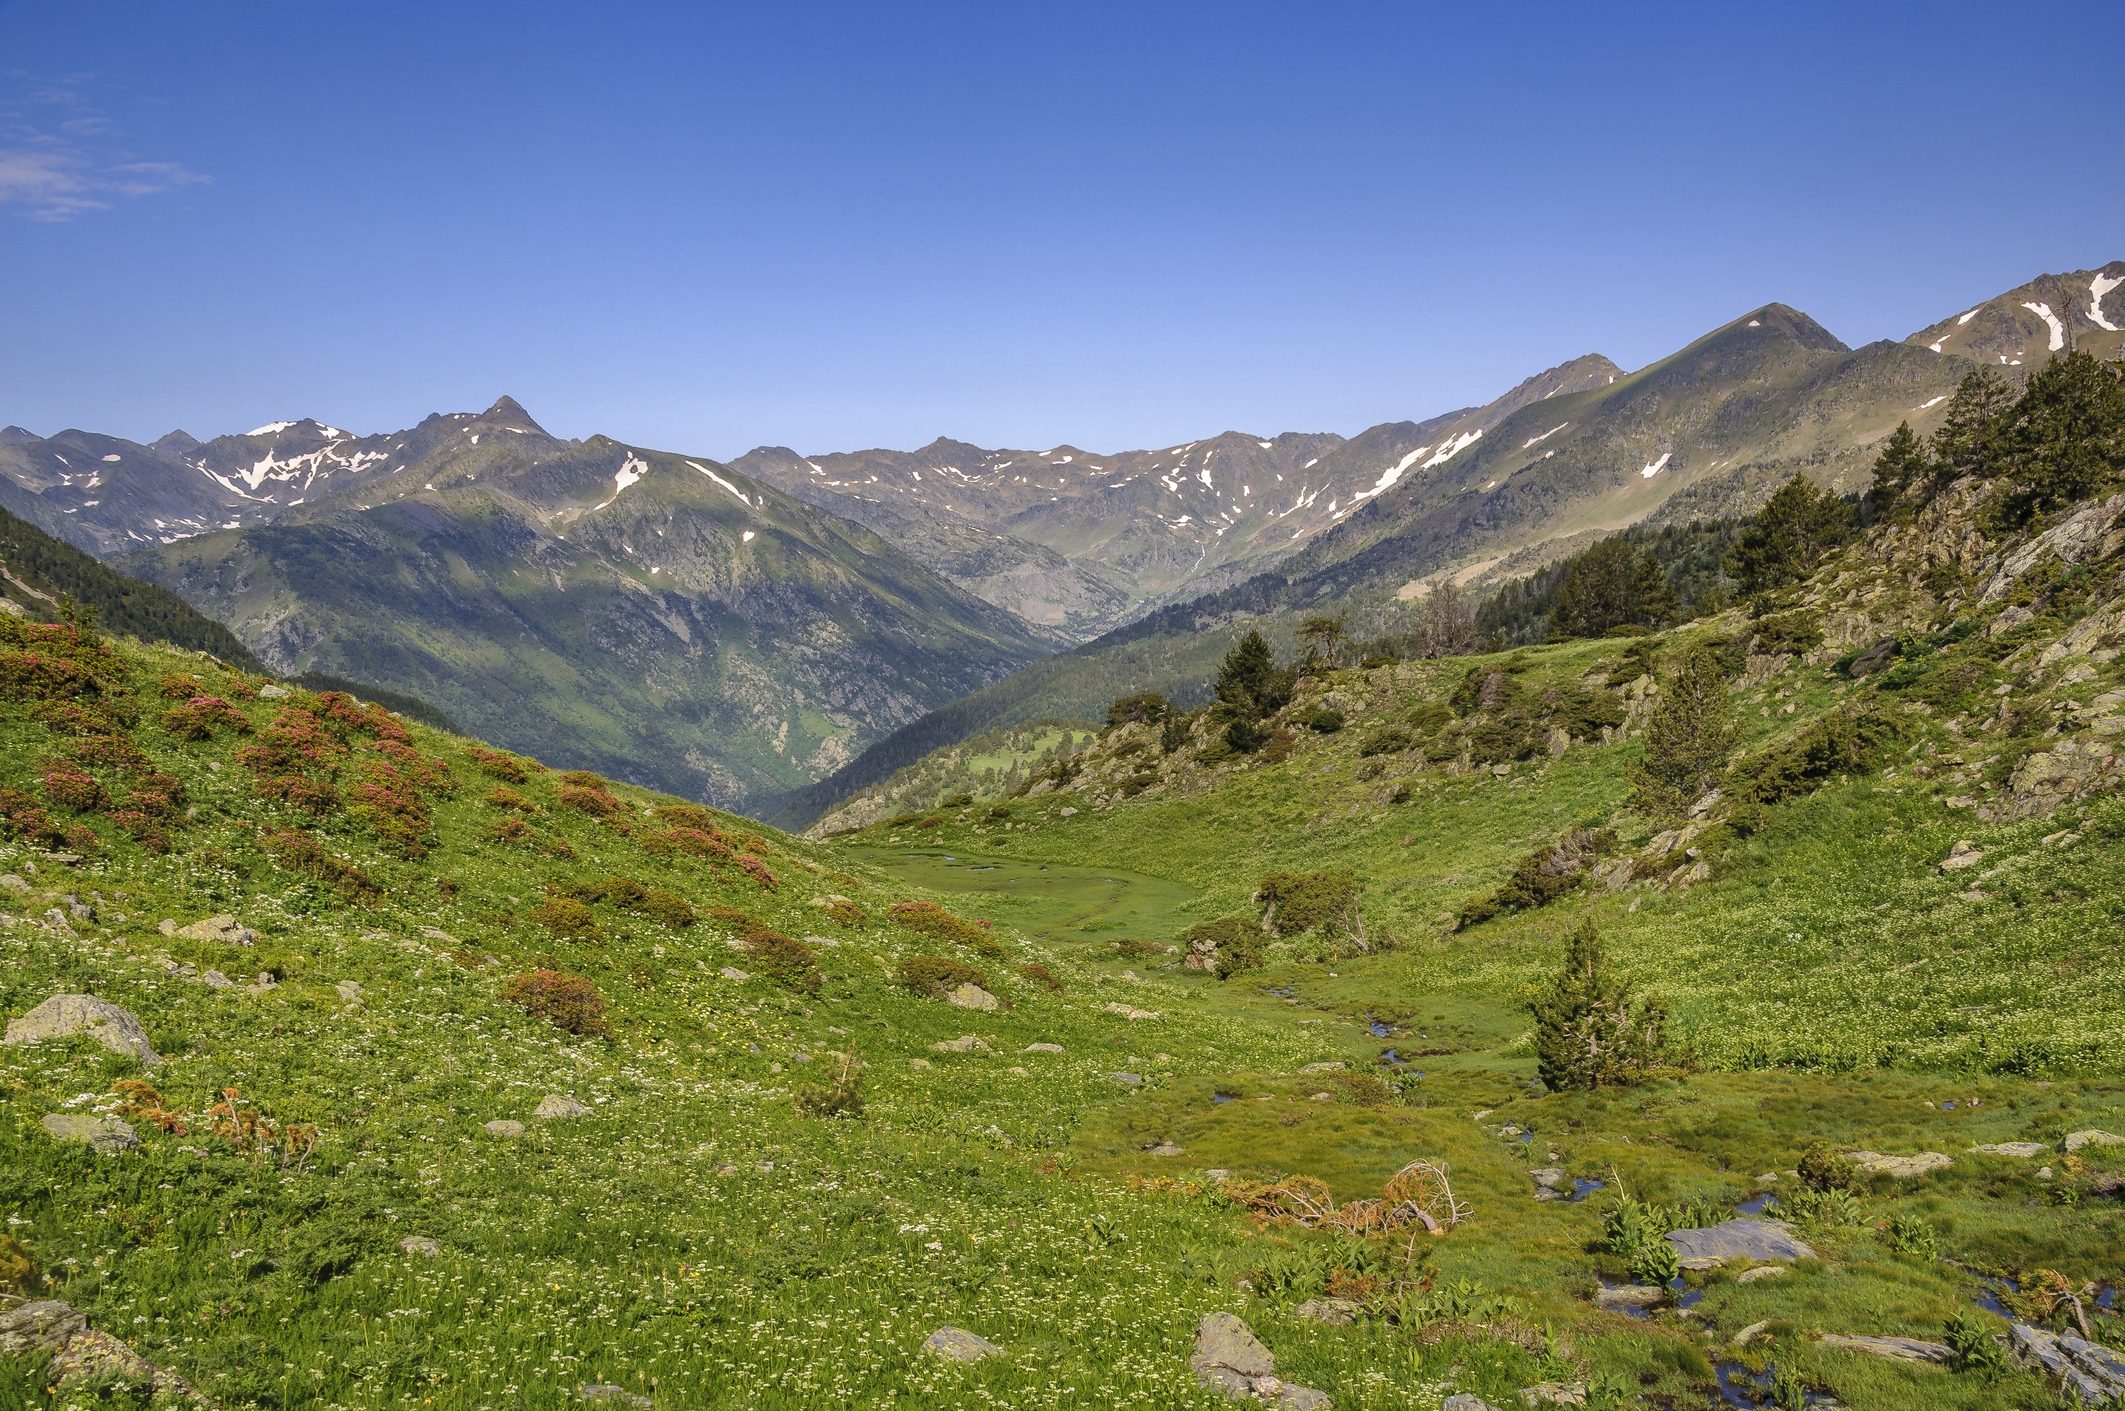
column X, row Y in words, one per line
column 509, row 411
column 16, row 436
column 176, row 443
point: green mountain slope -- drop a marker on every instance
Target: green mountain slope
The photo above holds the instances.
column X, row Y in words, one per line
column 372, row 1170
column 611, row 607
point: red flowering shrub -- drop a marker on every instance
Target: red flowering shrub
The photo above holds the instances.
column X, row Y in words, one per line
column 754, row 868
column 512, row 830
column 570, row 1003
column 785, row 960
column 300, row 852
column 695, row 843
column 430, row 774
column 312, row 795
column 594, row 800
column 68, row 785
column 197, row 717
column 371, row 719
column 179, row 686
column 565, row 916
column 393, row 809
column 109, row 752
column 104, row 717
column 929, row 919
column 33, row 676
column 496, row 764
column 23, row 817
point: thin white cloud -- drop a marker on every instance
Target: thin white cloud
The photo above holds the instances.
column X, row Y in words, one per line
column 71, row 169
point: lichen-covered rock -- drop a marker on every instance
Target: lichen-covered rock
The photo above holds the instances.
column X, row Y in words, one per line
column 959, row 1345
column 1764, row 1241
column 505, row 1128
column 1904, row 1168
column 1895, row 1348
column 972, row 996
column 107, row 1135
column 420, row 1244
column 224, row 930
column 1228, row 1357
column 2090, row 1137
column 38, row 1327
column 63, row 1016
column 554, row 1107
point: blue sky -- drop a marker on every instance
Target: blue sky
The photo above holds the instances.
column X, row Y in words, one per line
column 706, row 228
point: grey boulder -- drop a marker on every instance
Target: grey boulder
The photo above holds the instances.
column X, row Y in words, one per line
column 223, row 929
column 63, row 1016
column 505, row 1128
column 39, row 1327
column 1764, row 1241
column 1230, row 1358
column 1896, row 1348
column 107, row 1135
column 959, row 1345
column 556, row 1107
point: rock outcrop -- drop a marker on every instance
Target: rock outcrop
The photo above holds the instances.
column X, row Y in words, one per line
column 1230, row 1358
column 82, row 1353
column 63, row 1016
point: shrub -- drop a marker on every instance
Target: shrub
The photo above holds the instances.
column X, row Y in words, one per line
column 787, row 961
column 1000, row 811
column 570, row 1003
column 504, row 797
column 1587, row 1033
column 108, row 752
column 311, row 795
column 933, row 975
column 842, row 1096
column 1788, row 632
column 1277, row 749
column 566, row 917
column 1823, row 1168
column 1321, row 720
column 592, row 799
column 1225, row 946
column 394, row 811
column 103, row 717
column 1687, row 740
column 1544, row 875
column 1294, row 903
column 927, row 918
column 669, row 908
column 199, row 715
column 496, row 764
column 1912, row 1234
column 300, row 852
column 68, row 785
column 1844, row 742
column 845, row 912
column 754, row 868
column 687, row 815
column 1039, row 975
column 1140, row 707
column 694, row 842
column 1392, row 739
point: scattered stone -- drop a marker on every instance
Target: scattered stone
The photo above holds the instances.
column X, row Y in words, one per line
column 13, row 883
column 1335, row 1067
column 1748, row 1335
column 420, row 1244
column 2093, row 1374
column 1554, row 1394
column 959, row 1345
column 1324, row 1097
column 765, row 1167
column 1127, row 1013
column 1336, row 1312
column 260, row 983
column 107, row 1135
column 215, row 980
column 827, row 941
column 1630, row 1296
column 39, row 1327
column 349, row 991
column 727, row 1168
column 1228, row 1356
column 606, row 1394
column 1875, row 658
column 1874, row 1163
column 972, row 996
column 730, row 972
column 2013, row 1149
column 1898, row 1349
column 1017, row 1072
column 222, row 929
column 965, row 1043
column 62, row 1016
column 1217, row 1173
column 2074, row 1140
column 556, row 1107
column 1044, row 1048
column 506, row 1128
column 1765, row 1241
column 1069, row 813
column 1761, row 1271
column 271, row 692
column 1551, row 1183
column 1465, row 1401
column 1126, row 1079
column 1165, row 1149
column 1963, row 854
column 920, row 1063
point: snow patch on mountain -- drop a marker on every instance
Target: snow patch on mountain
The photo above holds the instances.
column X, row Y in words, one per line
column 1450, row 448
column 1538, row 440
column 2051, row 321
column 271, row 428
column 2097, row 287
column 725, row 483
column 1655, row 468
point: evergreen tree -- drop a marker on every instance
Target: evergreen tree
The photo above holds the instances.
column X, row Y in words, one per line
column 1688, row 739
column 1250, row 687
column 1587, row 1033
column 1610, row 586
column 1790, row 535
column 1325, row 635
column 1968, row 441
column 2064, row 441
column 1902, row 464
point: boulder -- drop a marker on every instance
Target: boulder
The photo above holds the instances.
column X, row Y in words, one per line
column 1044, row 1048
column 349, row 991
column 1165, row 1149
column 225, row 930
column 271, row 692
column 1749, row 1334
column 1964, row 854
column 1761, row 1271
column 965, row 1043
column 1554, row 1394
column 554, row 1107
column 1630, row 1296
column 1127, row 1012
column 972, row 996
column 1229, row 1358
column 420, row 1244
column 1765, row 1241
column 1336, row 1067
column 107, row 1135
column 732, row 972
column 61, row 1016
column 1874, row 1163
column 96, row 1355
column 959, row 1345
column 606, row 1394
column 215, row 980
column 39, row 1327
column 1465, row 1401
column 1336, row 1312
column 2074, row 1140
column 13, row 883
column 506, row 1128
column 1898, row 1349
column 1551, row 1182
column 2024, row 1149
column 1127, row 1080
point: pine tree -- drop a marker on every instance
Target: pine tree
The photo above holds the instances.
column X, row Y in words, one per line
column 1968, row 441
column 1609, row 586
column 1250, row 687
column 1688, row 739
column 2064, row 441
column 1587, row 1033
column 1902, row 465
column 1790, row 535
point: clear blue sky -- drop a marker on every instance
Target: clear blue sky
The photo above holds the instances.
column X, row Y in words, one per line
column 706, row 227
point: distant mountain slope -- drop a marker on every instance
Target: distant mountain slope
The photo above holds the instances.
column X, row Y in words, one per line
column 37, row 572
column 2050, row 313
column 654, row 617
column 1133, row 530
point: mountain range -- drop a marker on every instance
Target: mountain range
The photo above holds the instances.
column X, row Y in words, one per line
column 735, row 632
